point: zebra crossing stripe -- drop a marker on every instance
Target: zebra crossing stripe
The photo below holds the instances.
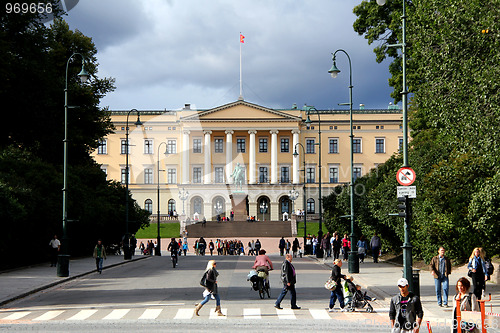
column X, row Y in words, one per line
column 213, row 314
column 150, row 313
column 49, row 315
column 286, row 314
column 251, row 313
column 17, row 315
column 319, row 314
column 116, row 314
column 82, row 315
column 184, row 314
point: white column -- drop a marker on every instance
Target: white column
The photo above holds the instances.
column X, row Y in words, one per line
column 229, row 155
column 208, row 164
column 185, row 157
column 295, row 160
column 251, row 162
column 274, row 156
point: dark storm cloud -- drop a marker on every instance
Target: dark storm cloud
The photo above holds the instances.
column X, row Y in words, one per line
column 167, row 53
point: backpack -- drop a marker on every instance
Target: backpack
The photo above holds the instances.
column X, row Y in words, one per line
column 489, row 267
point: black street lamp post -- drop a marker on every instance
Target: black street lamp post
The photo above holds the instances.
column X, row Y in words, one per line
column 63, row 258
column 127, row 254
column 319, row 252
column 353, row 254
column 304, row 194
column 158, row 236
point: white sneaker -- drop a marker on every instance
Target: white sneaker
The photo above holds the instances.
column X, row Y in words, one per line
column 344, row 310
column 332, row 310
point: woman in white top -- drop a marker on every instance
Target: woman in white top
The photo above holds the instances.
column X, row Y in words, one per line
column 468, row 301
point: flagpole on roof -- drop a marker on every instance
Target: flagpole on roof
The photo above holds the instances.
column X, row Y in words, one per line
column 241, row 82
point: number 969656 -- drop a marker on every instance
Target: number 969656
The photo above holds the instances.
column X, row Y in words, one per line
column 24, row 8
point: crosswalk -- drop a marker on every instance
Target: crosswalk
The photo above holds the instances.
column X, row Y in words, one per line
column 183, row 313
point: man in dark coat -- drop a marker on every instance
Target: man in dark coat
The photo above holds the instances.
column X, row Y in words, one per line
column 288, row 277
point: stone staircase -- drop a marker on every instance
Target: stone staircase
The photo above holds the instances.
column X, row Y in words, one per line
column 214, row 229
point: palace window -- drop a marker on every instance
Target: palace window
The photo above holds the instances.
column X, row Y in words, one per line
column 148, row 176
column 310, row 175
column 356, row 146
column 285, row 145
column 334, row 174
column 197, row 175
column 380, row 146
column 263, row 175
column 310, row 206
column 240, row 145
column 310, row 143
column 124, row 146
column 263, row 145
column 148, row 146
column 285, row 174
column 356, row 173
column 219, row 145
column 197, row 146
column 148, row 205
column 172, row 176
column 219, row 174
column 333, row 146
column 171, row 147
column 102, row 149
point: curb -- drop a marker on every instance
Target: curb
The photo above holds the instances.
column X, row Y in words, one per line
column 50, row 285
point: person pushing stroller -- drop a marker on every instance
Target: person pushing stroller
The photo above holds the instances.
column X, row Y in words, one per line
column 355, row 298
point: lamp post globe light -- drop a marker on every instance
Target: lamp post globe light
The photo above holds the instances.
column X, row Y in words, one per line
column 304, row 194
column 263, row 209
column 407, row 247
column 127, row 253
column 353, row 254
column 158, row 236
column 309, row 109
column 63, row 258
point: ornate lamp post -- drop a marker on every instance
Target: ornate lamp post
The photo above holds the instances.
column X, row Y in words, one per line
column 158, row 237
column 319, row 253
column 183, row 195
column 407, row 247
column 63, row 259
column 293, row 194
column 263, row 209
column 127, row 254
column 295, row 153
column 353, row 254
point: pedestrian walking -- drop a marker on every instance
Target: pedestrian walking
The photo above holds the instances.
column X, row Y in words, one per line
column 282, row 245
column 346, row 245
column 440, row 268
column 185, row 248
column 478, row 271
column 258, row 245
column 336, row 245
column 295, row 247
column 405, row 311
column 211, row 247
column 338, row 292
column 55, row 247
column 468, row 302
column 99, row 255
column 362, row 248
column 211, row 288
column 375, row 246
column 288, row 277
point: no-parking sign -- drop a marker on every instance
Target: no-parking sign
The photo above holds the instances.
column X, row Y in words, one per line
column 406, row 176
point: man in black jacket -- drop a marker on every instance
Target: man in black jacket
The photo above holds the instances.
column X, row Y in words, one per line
column 405, row 312
column 288, row 277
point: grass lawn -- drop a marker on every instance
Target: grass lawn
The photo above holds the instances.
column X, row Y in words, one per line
column 167, row 230
column 312, row 228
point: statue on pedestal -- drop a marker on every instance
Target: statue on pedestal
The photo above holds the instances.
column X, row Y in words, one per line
column 238, row 176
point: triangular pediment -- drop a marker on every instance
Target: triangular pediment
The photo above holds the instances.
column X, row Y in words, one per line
column 241, row 111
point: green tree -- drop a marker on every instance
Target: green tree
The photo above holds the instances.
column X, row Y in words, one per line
column 33, row 58
column 454, row 76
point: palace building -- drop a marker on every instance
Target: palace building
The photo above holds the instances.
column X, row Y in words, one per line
column 189, row 156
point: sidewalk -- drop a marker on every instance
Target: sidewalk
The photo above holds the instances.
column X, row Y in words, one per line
column 18, row 283
column 380, row 279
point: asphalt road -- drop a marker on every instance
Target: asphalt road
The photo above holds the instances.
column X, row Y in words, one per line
column 151, row 295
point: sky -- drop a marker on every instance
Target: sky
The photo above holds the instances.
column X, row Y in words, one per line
column 167, row 53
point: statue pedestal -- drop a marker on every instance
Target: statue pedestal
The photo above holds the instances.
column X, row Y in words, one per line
column 239, row 205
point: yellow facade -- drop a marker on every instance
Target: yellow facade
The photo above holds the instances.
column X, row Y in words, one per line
column 204, row 147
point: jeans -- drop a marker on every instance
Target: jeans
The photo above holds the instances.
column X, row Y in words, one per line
column 286, row 288
column 337, row 293
column 98, row 264
column 207, row 298
column 442, row 280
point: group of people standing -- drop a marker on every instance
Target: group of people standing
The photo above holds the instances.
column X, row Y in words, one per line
column 336, row 247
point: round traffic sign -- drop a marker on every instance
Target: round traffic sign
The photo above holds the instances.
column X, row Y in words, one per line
column 406, row 176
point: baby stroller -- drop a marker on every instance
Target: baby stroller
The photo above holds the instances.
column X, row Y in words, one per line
column 259, row 283
column 356, row 299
